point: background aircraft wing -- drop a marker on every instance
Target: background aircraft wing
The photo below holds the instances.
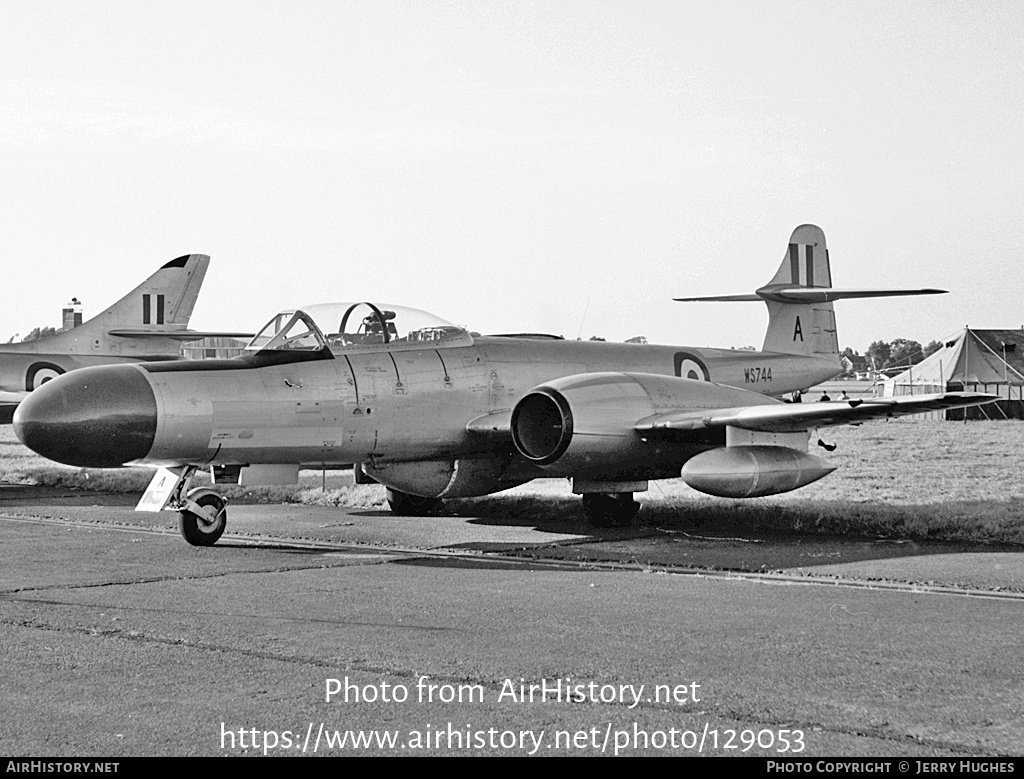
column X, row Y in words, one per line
column 12, row 397
column 793, row 417
column 177, row 335
column 8, row 403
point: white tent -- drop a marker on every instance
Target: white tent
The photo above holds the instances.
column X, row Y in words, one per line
column 973, row 361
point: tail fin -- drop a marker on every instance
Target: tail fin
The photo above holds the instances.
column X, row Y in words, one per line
column 155, row 313
column 805, row 328
column 801, row 319
column 162, row 302
column 153, row 317
column 150, row 322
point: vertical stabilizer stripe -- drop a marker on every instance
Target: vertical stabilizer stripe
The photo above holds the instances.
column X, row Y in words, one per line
column 810, row 265
column 794, row 264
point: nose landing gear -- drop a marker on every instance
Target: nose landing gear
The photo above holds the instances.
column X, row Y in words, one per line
column 202, row 512
column 203, row 519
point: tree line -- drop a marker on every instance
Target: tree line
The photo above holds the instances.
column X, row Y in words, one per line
column 35, row 335
column 898, row 353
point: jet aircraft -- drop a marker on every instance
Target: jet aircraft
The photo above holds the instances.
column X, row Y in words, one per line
column 149, row 323
column 433, row 411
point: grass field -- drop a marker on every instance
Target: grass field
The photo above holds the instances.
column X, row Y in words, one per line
column 918, row 479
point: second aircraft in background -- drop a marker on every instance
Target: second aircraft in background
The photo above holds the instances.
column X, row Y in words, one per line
column 149, row 323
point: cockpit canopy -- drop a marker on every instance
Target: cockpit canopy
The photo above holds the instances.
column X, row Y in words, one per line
column 344, row 326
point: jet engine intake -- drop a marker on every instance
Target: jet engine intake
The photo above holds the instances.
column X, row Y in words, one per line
column 585, row 425
column 582, row 430
column 542, row 426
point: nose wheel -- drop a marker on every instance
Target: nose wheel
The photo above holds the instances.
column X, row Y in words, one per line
column 203, row 519
column 609, row 509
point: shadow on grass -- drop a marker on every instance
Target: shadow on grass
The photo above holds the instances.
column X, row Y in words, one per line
column 731, row 535
column 983, row 522
column 22, row 495
column 766, row 534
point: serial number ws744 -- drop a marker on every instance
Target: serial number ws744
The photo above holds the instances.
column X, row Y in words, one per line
column 757, row 375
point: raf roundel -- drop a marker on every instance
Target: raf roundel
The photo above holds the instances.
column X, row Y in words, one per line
column 40, row 373
column 689, row 366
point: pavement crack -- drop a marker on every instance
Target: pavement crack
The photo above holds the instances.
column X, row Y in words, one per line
column 71, row 587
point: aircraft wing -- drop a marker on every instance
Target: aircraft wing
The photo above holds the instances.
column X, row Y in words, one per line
column 793, row 417
column 177, row 335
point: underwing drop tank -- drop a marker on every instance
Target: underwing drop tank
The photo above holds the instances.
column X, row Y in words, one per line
column 753, row 471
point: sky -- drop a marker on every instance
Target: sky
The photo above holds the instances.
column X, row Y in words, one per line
column 561, row 167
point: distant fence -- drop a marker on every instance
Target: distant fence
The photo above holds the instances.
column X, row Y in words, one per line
column 1000, row 409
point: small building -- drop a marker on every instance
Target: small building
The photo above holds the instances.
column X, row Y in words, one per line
column 71, row 316
column 989, row 361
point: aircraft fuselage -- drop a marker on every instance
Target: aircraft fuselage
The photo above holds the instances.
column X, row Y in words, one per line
column 376, row 405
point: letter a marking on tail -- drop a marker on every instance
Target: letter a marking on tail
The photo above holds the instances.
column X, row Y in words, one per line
column 798, row 331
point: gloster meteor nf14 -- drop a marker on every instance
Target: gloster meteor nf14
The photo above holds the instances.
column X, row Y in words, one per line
column 433, row 411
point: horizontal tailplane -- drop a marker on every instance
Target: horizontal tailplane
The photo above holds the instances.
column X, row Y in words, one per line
column 799, row 297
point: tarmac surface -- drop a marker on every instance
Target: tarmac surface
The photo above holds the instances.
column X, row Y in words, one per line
column 119, row 639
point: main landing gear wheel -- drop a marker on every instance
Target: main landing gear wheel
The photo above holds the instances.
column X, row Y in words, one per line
column 609, row 509
column 204, row 529
column 405, row 505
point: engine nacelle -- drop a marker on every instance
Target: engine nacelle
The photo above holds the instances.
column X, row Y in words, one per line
column 753, row 471
column 584, row 424
column 461, row 478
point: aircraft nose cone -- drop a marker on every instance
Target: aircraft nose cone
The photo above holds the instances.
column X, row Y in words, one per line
column 98, row 417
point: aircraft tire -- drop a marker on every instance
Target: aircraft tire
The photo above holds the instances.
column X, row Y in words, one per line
column 405, row 505
column 199, row 531
column 615, row 509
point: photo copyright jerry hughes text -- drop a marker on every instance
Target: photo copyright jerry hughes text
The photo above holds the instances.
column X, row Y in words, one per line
column 973, row 766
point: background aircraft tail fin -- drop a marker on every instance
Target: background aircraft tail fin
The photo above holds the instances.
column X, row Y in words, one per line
column 163, row 301
column 801, row 319
column 152, row 316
